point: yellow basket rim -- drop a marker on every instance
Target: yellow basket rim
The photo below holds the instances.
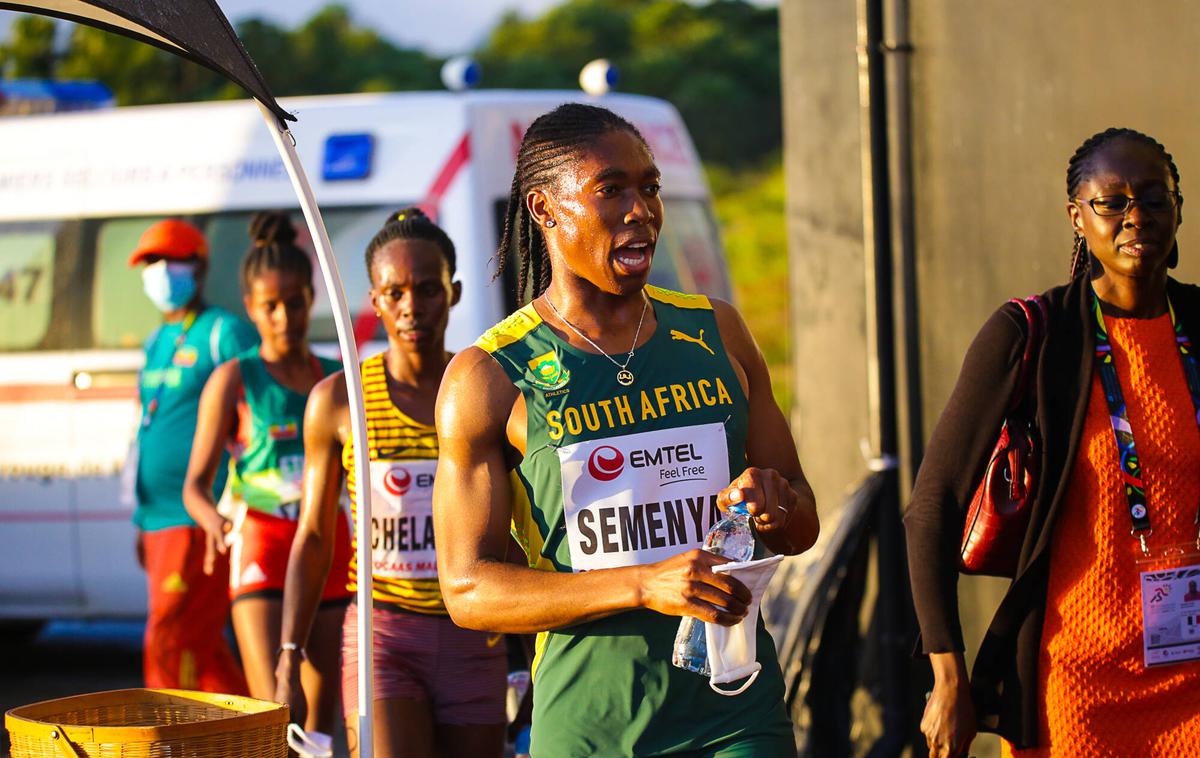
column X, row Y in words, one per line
column 249, row 713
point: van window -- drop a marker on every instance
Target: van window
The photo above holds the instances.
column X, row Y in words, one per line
column 228, row 236
column 690, row 239
column 122, row 317
column 350, row 229
column 26, row 274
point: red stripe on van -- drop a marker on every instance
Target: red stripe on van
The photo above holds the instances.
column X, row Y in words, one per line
column 53, row 393
column 458, row 158
column 366, row 322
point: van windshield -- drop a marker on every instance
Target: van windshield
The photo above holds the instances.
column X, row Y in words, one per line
column 350, row 229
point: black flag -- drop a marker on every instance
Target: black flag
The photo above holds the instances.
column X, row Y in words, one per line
column 194, row 29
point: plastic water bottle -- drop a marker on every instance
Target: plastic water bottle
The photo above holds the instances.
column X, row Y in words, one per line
column 732, row 538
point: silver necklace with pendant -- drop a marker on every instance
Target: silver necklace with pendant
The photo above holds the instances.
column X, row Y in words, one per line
column 624, row 375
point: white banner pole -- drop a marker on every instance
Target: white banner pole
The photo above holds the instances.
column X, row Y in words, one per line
column 358, row 421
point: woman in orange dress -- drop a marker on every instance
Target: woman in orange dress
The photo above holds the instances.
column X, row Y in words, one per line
column 1070, row 665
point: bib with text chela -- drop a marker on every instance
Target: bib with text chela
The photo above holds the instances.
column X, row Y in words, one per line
column 640, row 498
column 402, row 519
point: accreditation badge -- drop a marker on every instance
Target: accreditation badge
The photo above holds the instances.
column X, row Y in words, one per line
column 1170, row 584
column 639, row 498
column 402, row 544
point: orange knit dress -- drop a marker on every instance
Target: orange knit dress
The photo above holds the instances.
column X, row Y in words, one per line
column 1097, row 698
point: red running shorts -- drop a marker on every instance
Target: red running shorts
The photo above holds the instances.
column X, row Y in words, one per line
column 259, row 558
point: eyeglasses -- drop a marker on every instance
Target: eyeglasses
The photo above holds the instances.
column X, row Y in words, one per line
column 1119, row 205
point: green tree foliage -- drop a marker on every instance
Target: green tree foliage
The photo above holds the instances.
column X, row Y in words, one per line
column 331, row 54
column 717, row 62
column 29, row 51
column 327, row 54
column 137, row 73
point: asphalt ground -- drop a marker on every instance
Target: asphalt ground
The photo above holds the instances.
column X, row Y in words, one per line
column 68, row 658
column 72, row 658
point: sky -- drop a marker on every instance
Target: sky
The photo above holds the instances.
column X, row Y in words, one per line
column 442, row 27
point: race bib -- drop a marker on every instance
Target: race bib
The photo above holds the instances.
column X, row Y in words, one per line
column 275, row 491
column 291, row 485
column 1171, row 615
column 402, row 519
column 641, row 498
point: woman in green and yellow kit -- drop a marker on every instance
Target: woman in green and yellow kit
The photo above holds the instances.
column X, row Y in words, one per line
column 610, row 421
column 254, row 406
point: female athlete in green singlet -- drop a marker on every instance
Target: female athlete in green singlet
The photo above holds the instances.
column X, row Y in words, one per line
column 254, row 404
column 607, row 421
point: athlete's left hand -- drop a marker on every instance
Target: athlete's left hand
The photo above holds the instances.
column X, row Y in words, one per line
column 767, row 495
column 215, row 527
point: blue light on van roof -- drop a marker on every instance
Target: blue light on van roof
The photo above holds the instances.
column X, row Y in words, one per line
column 348, row 156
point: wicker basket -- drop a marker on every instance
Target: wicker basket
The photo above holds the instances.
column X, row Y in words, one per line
column 141, row 723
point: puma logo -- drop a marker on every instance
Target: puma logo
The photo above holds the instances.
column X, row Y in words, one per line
column 678, row 335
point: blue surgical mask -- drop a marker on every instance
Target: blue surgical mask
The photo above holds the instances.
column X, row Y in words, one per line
column 170, row 285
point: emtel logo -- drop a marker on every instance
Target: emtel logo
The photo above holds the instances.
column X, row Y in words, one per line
column 606, row 463
column 397, row 481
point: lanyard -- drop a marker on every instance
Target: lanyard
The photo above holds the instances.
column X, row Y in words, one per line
column 1131, row 467
column 152, row 406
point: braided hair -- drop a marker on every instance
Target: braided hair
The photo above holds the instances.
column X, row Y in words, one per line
column 411, row 224
column 1077, row 171
column 273, row 248
column 551, row 142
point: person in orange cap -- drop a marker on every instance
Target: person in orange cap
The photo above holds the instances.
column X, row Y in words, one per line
column 184, row 644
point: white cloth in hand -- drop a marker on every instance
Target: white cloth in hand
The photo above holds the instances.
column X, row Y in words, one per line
column 309, row 744
column 733, row 650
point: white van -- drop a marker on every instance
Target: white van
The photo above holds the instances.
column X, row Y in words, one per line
column 77, row 190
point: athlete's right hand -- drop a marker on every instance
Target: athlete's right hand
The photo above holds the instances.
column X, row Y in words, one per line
column 215, row 528
column 288, row 689
column 685, row 585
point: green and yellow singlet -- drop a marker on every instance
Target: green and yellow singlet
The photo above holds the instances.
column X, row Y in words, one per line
column 627, row 475
column 268, row 468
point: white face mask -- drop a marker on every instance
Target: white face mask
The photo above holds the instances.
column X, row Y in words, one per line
column 170, row 285
column 733, row 650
